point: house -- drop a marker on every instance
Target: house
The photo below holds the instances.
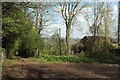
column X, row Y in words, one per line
column 87, row 41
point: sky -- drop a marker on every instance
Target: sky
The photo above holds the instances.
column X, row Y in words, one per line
column 77, row 31
column 57, row 0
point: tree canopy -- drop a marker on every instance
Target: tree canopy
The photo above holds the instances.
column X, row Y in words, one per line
column 19, row 31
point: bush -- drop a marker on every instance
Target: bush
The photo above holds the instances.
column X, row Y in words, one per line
column 19, row 32
column 13, row 49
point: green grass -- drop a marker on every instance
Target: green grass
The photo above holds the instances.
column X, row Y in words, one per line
column 6, row 62
column 76, row 59
column 72, row 58
column 39, row 59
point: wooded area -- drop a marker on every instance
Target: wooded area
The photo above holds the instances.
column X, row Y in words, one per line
column 23, row 24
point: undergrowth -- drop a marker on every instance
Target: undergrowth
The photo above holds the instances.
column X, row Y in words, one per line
column 53, row 58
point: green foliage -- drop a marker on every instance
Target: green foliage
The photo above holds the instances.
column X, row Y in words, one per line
column 76, row 59
column 32, row 41
column 14, row 48
column 19, row 32
column 53, row 47
column 104, row 55
column 6, row 62
column 82, row 54
column 101, row 50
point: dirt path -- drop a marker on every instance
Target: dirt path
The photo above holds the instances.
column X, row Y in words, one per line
column 27, row 68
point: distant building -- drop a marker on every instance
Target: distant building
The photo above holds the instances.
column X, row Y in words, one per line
column 87, row 41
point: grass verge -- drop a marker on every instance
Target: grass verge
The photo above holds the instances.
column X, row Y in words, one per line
column 76, row 59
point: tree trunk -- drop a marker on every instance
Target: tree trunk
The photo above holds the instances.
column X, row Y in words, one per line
column 37, row 19
column 37, row 15
column 119, row 23
column 68, row 39
column 36, row 53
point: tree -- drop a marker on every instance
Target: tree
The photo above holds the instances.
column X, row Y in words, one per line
column 55, row 44
column 119, row 23
column 102, row 19
column 19, row 32
column 0, row 21
column 69, row 11
column 10, row 27
column 39, row 11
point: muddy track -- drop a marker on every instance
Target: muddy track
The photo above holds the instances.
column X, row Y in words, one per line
column 28, row 68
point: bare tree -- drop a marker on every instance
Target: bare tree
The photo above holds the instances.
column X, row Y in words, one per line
column 69, row 10
column 94, row 19
column 119, row 23
column 101, row 18
column 39, row 11
column 107, row 15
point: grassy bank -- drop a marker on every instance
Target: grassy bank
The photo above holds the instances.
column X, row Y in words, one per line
column 53, row 58
column 73, row 58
